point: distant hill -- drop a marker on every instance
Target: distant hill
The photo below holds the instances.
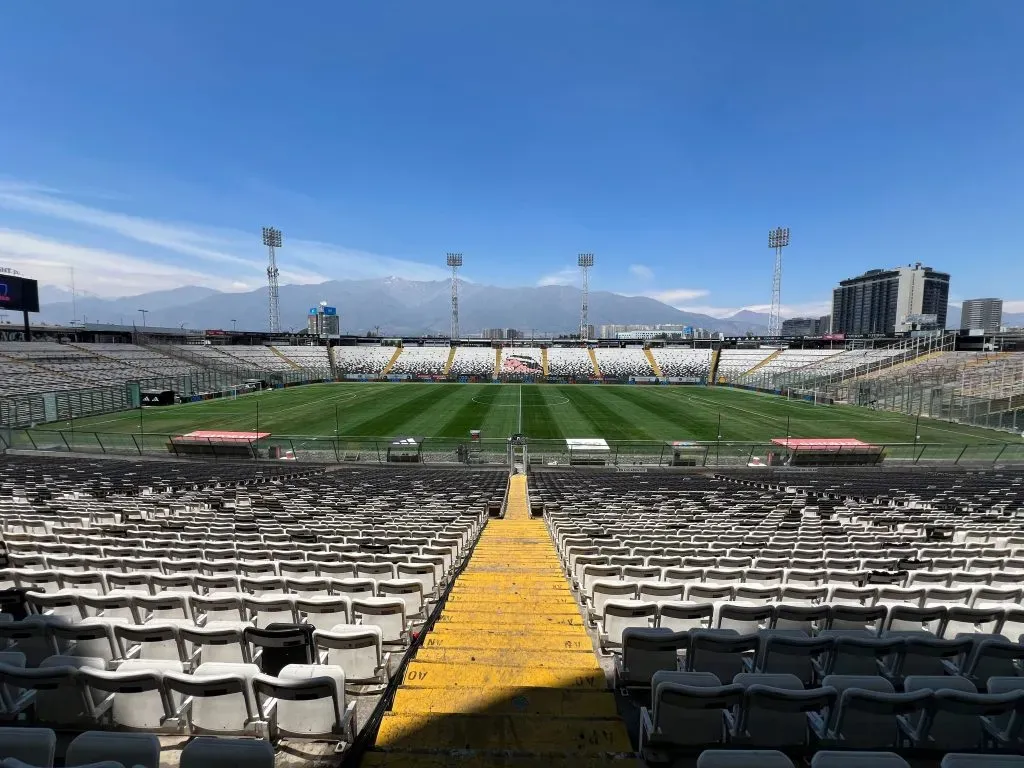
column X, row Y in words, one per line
column 395, row 305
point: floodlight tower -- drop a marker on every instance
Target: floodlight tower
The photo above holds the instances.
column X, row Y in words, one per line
column 778, row 239
column 455, row 261
column 272, row 239
column 585, row 261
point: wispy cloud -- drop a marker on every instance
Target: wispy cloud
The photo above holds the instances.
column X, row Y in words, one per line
column 216, row 258
column 359, row 265
column 675, row 296
column 101, row 272
column 809, row 309
column 641, row 271
column 173, row 237
column 564, row 276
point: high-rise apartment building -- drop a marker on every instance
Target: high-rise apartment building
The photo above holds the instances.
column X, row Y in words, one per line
column 983, row 314
column 887, row 301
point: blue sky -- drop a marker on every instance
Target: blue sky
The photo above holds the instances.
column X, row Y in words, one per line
column 147, row 143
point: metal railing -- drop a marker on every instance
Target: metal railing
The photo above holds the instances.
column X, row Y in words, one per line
column 62, row 405
column 315, row 449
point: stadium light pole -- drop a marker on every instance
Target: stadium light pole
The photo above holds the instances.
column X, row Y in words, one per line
column 585, row 262
column 454, row 260
column 778, row 239
column 272, row 239
column 144, row 313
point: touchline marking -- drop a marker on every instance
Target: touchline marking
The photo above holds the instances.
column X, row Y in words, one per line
column 563, row 401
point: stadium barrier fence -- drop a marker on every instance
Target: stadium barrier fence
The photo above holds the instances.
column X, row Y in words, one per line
column 330, row 450
column 27, row 410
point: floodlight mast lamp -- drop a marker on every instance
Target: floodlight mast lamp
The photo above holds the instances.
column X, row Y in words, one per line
column 778, row 239
column 272, row 239
column 585, row 262
column 454, row 261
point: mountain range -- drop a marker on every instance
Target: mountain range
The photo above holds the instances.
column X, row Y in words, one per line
column 395, row 306
column 392, row 305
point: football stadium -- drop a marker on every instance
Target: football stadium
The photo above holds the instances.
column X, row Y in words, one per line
column 279, row 551
column 330, row 501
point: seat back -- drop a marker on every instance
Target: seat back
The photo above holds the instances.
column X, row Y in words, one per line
column 134, row 749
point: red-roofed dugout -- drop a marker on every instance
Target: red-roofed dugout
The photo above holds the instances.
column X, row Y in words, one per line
column 820, row 443
column 205, row 435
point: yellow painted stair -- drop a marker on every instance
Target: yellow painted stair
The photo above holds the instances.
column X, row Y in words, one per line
column 713, row 375
column 654, row 363
column 281, row 354
column 391, row 362
column 451, row 359
column 593, row 362
column 497, row 362
column 544, row 359
column 767, row 360
column 508, row 676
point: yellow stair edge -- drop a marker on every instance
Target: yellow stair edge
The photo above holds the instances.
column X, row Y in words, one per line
column 280, row 354
column 512, row 701
column 391, row 362
column 544, row 359
column 767, row 360
column 479, row 759
column 451, row 359
column 653, row 362
column 537, row 734
column 593, row 362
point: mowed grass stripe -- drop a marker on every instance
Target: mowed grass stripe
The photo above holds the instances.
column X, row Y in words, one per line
column 602, row 419
column 484, row 408
column 538, row 419
column 699, row 417
column 395, row 418
column 383, row 410
column 566, row 420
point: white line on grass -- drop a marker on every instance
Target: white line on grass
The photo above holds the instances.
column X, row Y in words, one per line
column 520, row 428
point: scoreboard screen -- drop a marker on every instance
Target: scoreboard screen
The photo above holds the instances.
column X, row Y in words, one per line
column 18, row 293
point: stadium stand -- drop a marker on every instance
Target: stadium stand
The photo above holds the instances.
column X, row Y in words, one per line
column 621, row 363
column 260, row 357
column 417, row 361
column 152, row 591
column 309, row 357
column 936, row 369
column 684, row 362
column 755, row 617
column 473, row 361
column 31, row 367
column 573, row 362
column 792, row 359
column 202, row 354
column 362, row 359
column 733, row 363
column 880, row 603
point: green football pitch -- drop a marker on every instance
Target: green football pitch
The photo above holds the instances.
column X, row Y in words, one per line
column 613, row 412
